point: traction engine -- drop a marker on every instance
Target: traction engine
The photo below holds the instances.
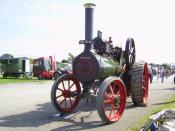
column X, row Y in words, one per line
column 104, row 72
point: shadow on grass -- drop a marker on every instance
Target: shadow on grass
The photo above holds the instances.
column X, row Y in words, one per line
column 22, row 80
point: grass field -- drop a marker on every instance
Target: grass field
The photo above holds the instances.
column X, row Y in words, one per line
column 19, row 80
column 169, row 104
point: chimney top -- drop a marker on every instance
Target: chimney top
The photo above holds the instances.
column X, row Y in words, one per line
column 89, row 5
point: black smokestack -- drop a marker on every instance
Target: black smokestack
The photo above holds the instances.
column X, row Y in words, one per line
column 89, row 8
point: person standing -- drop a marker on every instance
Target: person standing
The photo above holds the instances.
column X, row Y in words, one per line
column 166, row 73
column 158, row 75
column 162, row 74
column 150, row 74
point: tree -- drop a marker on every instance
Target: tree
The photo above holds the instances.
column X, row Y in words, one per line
column 69, row 59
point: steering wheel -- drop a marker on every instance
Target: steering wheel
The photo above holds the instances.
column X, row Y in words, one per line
column 130, row 53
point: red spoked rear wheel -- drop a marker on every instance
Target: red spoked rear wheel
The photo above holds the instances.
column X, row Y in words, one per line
column 65, row 93
column 111, row 99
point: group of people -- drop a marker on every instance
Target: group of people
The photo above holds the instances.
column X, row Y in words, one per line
column 160, row 73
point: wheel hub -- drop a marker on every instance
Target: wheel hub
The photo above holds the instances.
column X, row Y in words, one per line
column 66, row 93
column 117, row 99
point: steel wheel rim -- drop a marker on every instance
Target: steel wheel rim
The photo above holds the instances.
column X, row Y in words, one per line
column 63, row 94
column 145, row 83
column 113, row 101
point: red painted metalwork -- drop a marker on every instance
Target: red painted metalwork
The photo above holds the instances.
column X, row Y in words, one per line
column 115, row 99
column 145, row 83
column 111, row 100
column 41, row 71
column 64, row 94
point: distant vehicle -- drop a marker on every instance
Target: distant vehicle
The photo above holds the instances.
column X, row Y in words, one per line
column 16, row 67
column 44, row 68
column 63, row 68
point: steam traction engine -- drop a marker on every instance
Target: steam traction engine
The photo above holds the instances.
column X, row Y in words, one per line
column 104, row 71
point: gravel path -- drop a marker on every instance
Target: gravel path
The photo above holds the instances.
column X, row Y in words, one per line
column 27, row 107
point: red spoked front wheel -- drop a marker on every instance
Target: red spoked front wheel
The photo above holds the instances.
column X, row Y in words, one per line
column 65, row 93
column 111, row 99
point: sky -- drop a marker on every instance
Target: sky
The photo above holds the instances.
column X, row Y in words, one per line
column 35, row 28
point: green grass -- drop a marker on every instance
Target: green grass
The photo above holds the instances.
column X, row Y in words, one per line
column 169, row 104
column 19, row 80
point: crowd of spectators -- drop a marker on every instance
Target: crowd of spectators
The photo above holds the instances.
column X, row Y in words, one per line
column 159, row 74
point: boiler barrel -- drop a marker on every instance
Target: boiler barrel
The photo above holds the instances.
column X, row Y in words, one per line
column 109, row 67
column 89, row 66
